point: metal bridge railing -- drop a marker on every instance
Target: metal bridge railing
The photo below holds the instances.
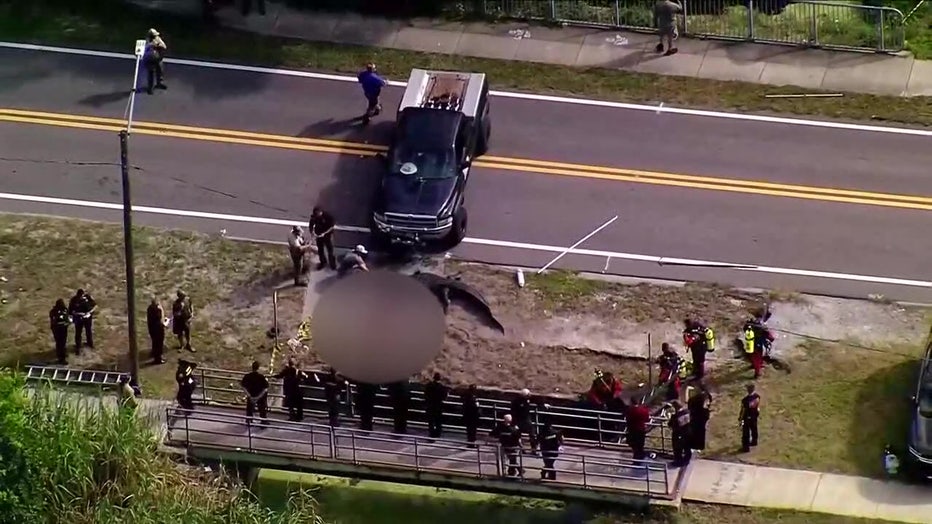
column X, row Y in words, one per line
column 415, row 453
column 586, row 426
column 809, row 23
column 218, row 386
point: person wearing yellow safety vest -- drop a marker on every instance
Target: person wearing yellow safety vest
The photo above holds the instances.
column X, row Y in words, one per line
column 700, row 339
column 186, row 384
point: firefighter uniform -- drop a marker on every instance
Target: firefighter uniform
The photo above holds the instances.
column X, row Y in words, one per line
column 509, row 438
column 700, row 339
column 521, row 415
column 680, row 425
column 186, row 384
column 700, row 410
column 550, row 442
column 435, row 394
column 59, row 320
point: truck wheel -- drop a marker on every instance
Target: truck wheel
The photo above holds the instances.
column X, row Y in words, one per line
column 460, row 222
column 482, row 144
column 379, row 240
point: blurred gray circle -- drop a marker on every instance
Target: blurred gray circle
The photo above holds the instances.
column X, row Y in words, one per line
column 378, row 327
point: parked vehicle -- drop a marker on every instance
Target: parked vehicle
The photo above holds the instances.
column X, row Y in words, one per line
column 443, row 124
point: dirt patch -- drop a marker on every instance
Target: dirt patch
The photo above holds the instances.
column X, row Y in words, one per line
column 231, row 284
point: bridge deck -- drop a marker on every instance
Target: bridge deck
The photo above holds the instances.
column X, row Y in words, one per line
column 589, row 468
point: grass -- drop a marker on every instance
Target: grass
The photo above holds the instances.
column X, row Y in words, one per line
column 834, row 412
column 110, row 24
column 74, row 460
column 231, row 284
column 343, row 501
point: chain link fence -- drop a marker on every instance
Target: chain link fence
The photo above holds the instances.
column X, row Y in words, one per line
column 810, row 23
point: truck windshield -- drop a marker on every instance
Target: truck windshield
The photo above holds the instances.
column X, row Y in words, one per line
column 427, row 163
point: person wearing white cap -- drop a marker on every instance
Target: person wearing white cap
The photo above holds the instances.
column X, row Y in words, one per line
column 154, row 54
column 354, row 260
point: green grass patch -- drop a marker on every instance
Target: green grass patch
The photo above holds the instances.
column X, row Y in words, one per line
column 112, row 25
column 75, row 460
column 230, row 283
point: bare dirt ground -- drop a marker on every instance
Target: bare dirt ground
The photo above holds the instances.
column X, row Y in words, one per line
column 231, row 284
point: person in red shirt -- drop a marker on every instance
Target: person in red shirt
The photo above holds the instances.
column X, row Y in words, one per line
column 670, row 371
column 638, row 418
column 605, row 387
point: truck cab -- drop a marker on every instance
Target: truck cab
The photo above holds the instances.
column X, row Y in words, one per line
column 442, row 125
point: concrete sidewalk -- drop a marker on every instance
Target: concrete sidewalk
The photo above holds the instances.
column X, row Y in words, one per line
column 834, row 71
column 746, row 485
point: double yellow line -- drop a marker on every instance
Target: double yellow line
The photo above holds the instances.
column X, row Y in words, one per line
column 492, row 162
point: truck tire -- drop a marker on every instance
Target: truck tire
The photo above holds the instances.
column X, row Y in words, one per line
column 482, row 143
column 460, row 223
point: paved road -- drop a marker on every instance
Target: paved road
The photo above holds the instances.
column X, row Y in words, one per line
column 515, row 205
column 578, row 466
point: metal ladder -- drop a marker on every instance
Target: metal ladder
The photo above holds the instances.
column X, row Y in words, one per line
column 87, row 377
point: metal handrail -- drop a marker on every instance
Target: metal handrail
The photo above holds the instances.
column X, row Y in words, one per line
column 373, row 448
column 601, row 424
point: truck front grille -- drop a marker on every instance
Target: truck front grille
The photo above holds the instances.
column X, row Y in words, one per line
column 411, row 221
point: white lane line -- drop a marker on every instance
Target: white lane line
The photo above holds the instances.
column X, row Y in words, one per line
column 502, row 94
column 669, row 261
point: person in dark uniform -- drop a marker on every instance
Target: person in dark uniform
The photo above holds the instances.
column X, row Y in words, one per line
column 679, row 424
column 182, row 314
column 522, row 413
column 435, row 393
column 471, row 412
column 292, row 377
column 59, row 320
column 156, row 322
column 551, row 441
column 365, row 404
column 334, row 387
column 700, row 410
column 509, row 438
column 256, row 387
column 186, row 384
column 82, row 308
column 637, row 419
column 750, row 412
column 670, row 363
column 321, row 226
column 400, row 395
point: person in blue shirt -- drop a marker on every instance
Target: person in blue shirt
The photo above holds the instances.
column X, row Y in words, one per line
column 372, row 85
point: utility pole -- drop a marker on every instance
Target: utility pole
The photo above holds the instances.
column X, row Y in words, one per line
column 130, row 261
column 128, row 227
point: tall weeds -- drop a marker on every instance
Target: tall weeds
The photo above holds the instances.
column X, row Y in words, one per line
column 67, row 459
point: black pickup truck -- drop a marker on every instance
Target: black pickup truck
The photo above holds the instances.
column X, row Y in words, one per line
column 443, row 124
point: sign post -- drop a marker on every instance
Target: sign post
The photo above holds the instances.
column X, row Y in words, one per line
column 139, row 52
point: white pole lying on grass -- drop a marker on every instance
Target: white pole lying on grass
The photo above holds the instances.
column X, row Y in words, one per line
column 574, row 246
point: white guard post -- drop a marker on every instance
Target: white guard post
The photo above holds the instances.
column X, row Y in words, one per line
column 139, row 52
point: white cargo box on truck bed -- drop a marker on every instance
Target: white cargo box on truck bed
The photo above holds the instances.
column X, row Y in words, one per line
column 444, row 90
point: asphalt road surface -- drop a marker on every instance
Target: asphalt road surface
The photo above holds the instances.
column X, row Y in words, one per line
column 682, row 186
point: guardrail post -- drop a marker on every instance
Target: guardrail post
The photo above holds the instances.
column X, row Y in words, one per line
column 498, row 460
column 313, row 450
column 553, row 10
column 751, row 19
column 353, row 443
column 813, row 25
column 647, row 476
column 333, row 443
column 618, row 13
column 478, row 461
column 882, row 47
column 598, row 421
column 685, row 32
column 249, row 433
column 417, row 461
column 585, row 481
column 203, row 386
column 187, row 430
column 348, row 395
